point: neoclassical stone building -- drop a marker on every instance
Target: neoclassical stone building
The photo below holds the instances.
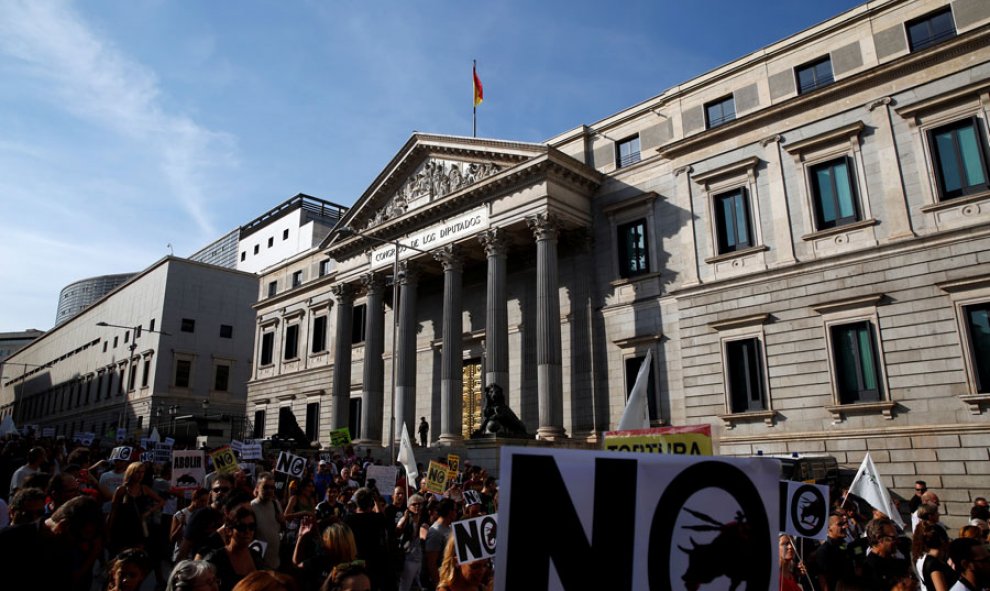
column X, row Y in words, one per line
column 800, row 237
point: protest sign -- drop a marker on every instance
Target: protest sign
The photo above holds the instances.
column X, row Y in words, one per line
column 86, row 438
column 436, row 477
column 121, row 434
column 224, row 460
column 692, row 440
column 48, row 432
column 804, row 509
column 474, row 539
column 384, row 477
column 340, row 437
column 188, row 469
column 657, row 520
column 290, row 464
column 148, row 456
column 163, row 453
column 236, row 446
column 251, row 450
column 259, row 546
column 453, row 462
column 122, row 453
column 169, row 441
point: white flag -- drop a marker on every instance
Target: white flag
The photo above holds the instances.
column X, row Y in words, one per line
column 407, row 458
column 155, row 436
column 7, row 426
column 868, row 487
column 637, row 413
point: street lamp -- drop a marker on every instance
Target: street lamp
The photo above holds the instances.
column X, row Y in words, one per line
column 348, row 231
column 136, row 330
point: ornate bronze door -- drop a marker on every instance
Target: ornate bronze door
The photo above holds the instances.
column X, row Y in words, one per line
column 472, row 397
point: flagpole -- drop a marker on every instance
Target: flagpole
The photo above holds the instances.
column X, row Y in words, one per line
column 474, row 102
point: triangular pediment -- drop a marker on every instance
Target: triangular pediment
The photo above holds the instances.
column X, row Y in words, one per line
column 431, row 168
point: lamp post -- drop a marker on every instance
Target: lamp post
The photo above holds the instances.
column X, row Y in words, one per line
column 136, row 330
column 348, row 231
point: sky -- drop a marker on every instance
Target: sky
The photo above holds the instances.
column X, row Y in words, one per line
column 132, row 129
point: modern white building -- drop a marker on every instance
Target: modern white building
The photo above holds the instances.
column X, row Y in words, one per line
column 800, row 237
column 148, row 354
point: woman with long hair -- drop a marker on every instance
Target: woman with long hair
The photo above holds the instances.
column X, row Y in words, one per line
column 133, row 502
column 454, row 576
column 929, row 550
column 337, row 547
column 790, row 568
column 235, row 560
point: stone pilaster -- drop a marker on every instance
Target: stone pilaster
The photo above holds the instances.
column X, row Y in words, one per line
column 549, row 369
column 451, row 357
column 497, row 311
column 340, row 393
column 405, row 351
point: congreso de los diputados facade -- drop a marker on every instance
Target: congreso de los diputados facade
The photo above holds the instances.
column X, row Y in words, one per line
column 800, row 237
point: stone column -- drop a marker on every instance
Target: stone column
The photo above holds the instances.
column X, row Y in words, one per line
column 779, row 212
column 405, row 351
column 451, row 357
column 689, row 262
column 340, row 393
column 497, row 311
column 373, row 390
column 896, row 209
column 549, row 370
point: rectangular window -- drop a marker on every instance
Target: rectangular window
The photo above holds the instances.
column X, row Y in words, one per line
column 272, row 288
column 634, row 258
column 267, row 348
column 319, row 339
column 959, row 156
column 324, row 267
column 354, row 418
column 720, row 112
column 834, row 194
column 226, row 331
column 137, row 332
column 221, row 378
column 814, row 75
column 127, row 336
column 115, row 342
column 744, row 369
column 243, row 255
column 140, row 424
column 291, row 348
column 120, row 382
column 632, row 371
column 257, row 247
column 732, row 226
column 931, row 29
column 132, row 378
column 313, row 421
column 857, row 370
column 183, row 367
column 297, row 279
column 188, row 325
column 259, row 424
column 627, row 152
column 146, row 374
column 271, row 241
column 357, row 329
column 151, row 325
column 285, row 234
column 105, row 343
column 978, row 327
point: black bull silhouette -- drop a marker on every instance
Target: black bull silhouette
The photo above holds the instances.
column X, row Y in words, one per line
column 732, row 553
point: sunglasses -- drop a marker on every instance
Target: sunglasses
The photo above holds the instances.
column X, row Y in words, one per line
column 224, row 489
column 243, row 527
column 268, row 488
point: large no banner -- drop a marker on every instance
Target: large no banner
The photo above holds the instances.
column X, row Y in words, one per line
column 572, row 520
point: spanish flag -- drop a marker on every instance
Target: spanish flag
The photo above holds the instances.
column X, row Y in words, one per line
column 479, row 92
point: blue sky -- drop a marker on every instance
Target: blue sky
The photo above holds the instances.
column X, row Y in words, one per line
column 127, row 126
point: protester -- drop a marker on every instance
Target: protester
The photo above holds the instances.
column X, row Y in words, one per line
column 831, row 562
column 337, row 546
column 470, row 576
column 883, row 562
column 271, row 521
column 348, row 577
column 35, row 458
column 436, row 539
column 791, row 570
column 193, row 575
column 128, row 570
column 410, row 534
column 302, row 504
column 929, row 550
column 972, row 564
column 372, row 534
column 133, row 502
column 266, row 580
column 920, row 488
column 236, row 559
column 200, row 499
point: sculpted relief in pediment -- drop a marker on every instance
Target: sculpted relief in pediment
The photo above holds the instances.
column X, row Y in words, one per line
column 434, row 179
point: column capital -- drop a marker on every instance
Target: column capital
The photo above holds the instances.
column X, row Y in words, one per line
column 450, row 257
column 344, row 292
column 408, row 273
column 545, row 226
column 495, row 241
column 373, row 283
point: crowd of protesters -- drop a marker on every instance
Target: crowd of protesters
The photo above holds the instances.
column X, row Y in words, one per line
column 867, row 551
column 80, row 522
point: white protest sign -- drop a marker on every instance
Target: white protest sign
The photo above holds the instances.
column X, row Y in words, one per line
column 805, row 509
column 384, row 477
column 48, row 432
column 147, row 443
column 658, row 521
column 148, row 456
column 169, row 441
column 122, row 453
column 260, row 546
column 236, row 445
column 474, row 539
column 290, row 464
column 188, row 469
column 163, row 453
column 251, row 451
column 121, row 434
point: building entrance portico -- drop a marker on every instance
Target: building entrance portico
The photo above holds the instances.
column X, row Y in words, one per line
column 466, row 208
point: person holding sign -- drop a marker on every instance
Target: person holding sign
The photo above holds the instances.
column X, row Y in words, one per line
column 133, row 502
column 454, row 576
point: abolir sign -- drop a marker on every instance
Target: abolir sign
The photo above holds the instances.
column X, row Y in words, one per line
column 435, row 236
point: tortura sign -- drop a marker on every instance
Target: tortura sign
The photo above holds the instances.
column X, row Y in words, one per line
column 451, row 229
